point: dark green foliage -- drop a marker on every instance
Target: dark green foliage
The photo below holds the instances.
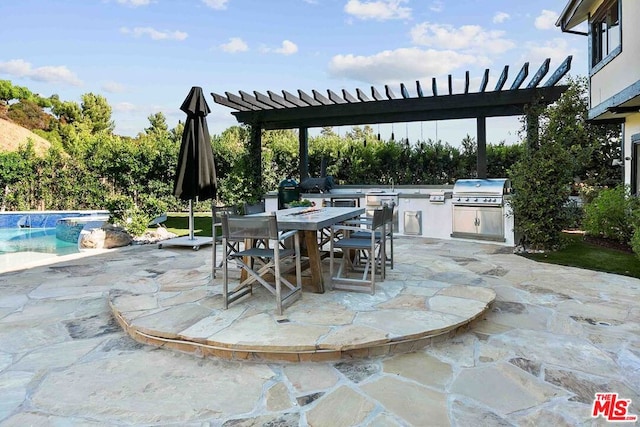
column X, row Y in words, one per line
column 574, row 214
column 551, row 167
column 134, row 218
column 542, row 183
column 612, row 214
column 635, row 242
column 87, row 163
column 592, row 146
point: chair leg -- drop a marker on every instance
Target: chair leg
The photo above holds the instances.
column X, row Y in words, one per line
column 391, row 255
column 372, row 258
column 214, row 267
column 225, row 279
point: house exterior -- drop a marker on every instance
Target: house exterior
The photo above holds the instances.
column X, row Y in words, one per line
column 613, row 36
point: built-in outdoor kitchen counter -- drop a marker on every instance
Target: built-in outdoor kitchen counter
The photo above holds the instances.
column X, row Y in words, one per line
column 425, row 211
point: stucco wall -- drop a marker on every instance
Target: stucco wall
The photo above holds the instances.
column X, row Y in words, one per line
column 623, row 70
column 631, row 127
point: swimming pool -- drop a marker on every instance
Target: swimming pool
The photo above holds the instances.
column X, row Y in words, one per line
column 41, row 240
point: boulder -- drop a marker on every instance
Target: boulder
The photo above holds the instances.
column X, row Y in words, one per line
column 106, row 237
column 154, row 236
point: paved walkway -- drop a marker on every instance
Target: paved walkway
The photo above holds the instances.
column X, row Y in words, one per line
column 553, row 338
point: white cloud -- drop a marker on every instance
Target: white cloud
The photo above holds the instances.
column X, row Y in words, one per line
column 135, row 3
column 500, row 17
column 15, row 67
column 557, row 49
column 113, row 87
column 287, row 48
column 546, row 20
column 47, row 73
column 216, row 4
column 465, row 37
column 236, row 44
column 380, row 10
column 392, row 66
column 154, row 34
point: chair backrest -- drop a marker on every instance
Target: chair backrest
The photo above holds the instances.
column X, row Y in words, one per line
column 379, row 216
column 255, row 208
column 219, row 211
column 238, row 228
column 388, row 213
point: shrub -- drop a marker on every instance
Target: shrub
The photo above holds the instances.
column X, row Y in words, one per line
column 541, row 183
column 126, row 214
column 612, row 214
column 635, row 242
column 574, row 214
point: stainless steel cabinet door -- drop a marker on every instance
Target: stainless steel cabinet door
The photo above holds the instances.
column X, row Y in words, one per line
column 464, row 219
column 490, row 221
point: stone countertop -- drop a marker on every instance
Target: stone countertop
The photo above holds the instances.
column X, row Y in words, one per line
column 417, row 192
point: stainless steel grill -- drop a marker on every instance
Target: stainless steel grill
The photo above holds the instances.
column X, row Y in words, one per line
column 481, row 192
column 478, row 211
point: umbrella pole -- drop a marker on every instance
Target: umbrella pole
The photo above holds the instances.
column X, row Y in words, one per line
column 213, row 234
column 191, row 227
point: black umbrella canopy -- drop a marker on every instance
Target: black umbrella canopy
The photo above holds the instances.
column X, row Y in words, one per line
column 196, row 172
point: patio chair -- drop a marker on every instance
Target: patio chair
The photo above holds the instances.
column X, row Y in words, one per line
column 217, row 212
column 259, row 262
column 365, row 255
column 387, row 233
column 336, row 202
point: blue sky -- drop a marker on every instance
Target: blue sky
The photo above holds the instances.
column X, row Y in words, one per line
column 144, row 55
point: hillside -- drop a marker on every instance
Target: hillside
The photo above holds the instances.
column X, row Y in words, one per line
column 13, row 135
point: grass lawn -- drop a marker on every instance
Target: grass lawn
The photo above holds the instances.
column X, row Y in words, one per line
column 178, row 223
column 581, row 254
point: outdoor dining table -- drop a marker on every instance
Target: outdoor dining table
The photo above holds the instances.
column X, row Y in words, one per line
column 309, row 221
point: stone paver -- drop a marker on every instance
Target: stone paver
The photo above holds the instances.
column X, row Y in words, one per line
column 553, row 337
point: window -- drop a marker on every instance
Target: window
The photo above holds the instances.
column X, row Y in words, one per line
column 605, row 31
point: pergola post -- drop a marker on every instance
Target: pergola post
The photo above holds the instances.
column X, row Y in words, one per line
column 482, row 147
column 303, row 138
column 255, row 155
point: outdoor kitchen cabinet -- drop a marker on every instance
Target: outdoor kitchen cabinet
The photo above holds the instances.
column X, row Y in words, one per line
column 481, row 222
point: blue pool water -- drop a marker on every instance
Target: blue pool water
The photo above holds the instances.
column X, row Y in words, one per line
column 34, row 240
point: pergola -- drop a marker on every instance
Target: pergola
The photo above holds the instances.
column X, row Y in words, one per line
column 302, row 111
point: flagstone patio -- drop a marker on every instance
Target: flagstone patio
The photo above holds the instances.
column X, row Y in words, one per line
column 182, row 308
column 553, row 337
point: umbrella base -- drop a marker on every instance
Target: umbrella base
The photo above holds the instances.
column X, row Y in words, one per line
column 195, row 243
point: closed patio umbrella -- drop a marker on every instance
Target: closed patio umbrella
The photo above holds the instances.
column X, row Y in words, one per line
column 196, row 172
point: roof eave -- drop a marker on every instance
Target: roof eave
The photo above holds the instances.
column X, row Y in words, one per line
column 575, row 13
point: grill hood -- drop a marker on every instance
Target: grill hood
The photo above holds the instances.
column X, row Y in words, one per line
column 482, row 187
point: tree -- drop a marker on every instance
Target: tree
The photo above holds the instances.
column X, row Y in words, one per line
column 67, row 112
column 96, row 111
column 9, row 92
column 541, row 186
column 593, row 146
column 158, row 126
